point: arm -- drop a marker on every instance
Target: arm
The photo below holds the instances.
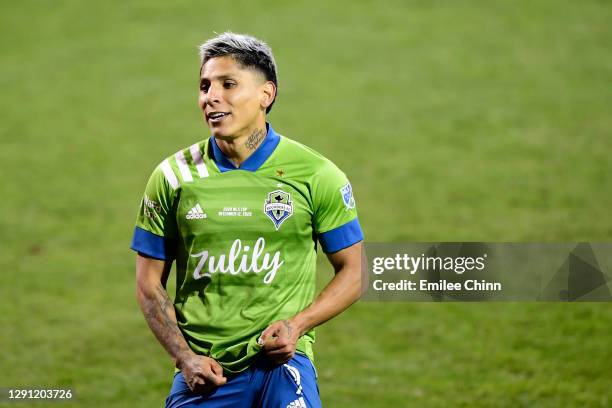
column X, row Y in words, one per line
column 280, row 338
column 201, row 373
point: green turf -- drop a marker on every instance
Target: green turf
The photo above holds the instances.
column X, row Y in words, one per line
column 456, row 121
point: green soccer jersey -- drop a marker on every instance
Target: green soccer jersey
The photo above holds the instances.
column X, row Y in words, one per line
column 244, row 239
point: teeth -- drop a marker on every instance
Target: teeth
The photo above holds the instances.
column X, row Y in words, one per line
column 216, row 115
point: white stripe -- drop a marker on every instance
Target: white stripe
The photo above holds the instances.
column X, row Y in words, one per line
column 182, row 165
column 295, row 373
column 198, row 208
column 197, row 159
column 170, row 176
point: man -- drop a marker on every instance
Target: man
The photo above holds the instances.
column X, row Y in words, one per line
column 240, row 213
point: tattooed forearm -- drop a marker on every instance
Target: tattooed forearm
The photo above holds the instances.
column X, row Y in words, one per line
column 254, row 140
column 166, row 307
column 161, row 318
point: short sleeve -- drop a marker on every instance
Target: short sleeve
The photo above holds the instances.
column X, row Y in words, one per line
column 156, row 230
column 335, row 213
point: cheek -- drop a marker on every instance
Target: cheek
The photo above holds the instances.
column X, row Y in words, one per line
column 246, row 102
column 201, row 101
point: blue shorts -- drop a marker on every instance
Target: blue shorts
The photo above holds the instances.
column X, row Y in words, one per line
column 264, row 384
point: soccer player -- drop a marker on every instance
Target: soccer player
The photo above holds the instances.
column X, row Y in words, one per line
column 241, row 213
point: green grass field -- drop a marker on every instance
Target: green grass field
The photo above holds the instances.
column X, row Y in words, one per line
column 456, row 121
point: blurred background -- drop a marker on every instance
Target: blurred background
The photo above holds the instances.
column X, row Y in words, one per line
column 455, row 121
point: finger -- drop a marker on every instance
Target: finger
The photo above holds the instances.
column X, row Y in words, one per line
column 195, row 383
column 216, row 368
column 287, row 350
column 217, row 380
column 218, row 372
column 275, row 347
column 268, row 332
column 274, row 343
column 212, row 377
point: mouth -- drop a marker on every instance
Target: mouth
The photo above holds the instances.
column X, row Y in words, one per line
column 217, row 117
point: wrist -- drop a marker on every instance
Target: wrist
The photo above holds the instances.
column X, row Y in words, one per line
column 182, row 357
column 299, row 324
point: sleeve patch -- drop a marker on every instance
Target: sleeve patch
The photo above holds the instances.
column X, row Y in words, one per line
column 151, row 208
column 347, row 196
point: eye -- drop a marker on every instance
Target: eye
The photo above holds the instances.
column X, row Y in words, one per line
column 204, row 87
column 229, row 84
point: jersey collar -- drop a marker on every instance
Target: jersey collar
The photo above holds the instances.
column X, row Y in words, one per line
column 255, row 160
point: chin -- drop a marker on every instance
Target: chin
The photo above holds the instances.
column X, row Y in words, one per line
column 221, row 132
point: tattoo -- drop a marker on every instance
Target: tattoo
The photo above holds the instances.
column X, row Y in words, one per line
column 254, row 140
column 288, row 327
column 164, row 302
column 159, row 313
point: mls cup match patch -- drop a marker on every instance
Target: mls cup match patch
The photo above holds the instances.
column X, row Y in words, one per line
column 347, row 196
column 278, row 207
column 151, row 208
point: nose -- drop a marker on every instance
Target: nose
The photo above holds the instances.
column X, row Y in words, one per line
column 213, row 95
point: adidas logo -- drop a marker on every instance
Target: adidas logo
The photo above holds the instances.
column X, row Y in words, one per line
column 196, row 213
column 298, row 403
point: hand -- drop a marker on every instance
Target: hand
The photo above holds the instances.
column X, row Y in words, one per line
column 279, row 340
column 202, row 374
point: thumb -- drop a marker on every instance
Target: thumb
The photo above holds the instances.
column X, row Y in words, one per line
column 217, row 369
column 214, row 377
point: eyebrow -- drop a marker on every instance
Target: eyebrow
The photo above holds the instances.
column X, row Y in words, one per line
column 219, row 77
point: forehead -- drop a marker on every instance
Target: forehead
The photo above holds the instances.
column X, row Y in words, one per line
column 226, row 66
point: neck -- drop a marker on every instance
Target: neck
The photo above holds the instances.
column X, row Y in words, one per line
column 239, row 149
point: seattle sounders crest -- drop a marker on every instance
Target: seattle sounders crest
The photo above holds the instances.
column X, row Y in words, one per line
column 347, row 196
column 278, row 207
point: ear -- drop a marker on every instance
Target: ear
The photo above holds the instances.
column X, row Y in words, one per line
column 268, row 92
